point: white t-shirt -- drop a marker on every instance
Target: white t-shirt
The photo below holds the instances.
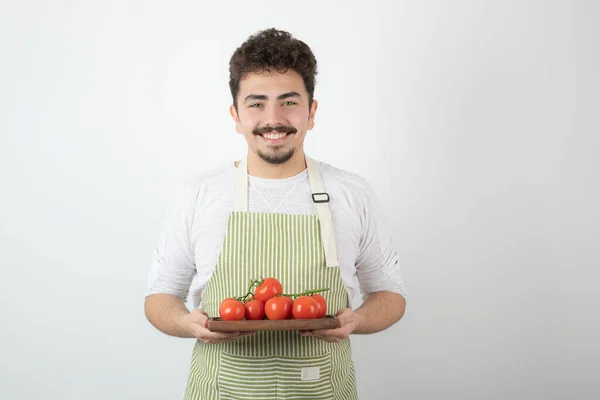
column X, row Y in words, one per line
column 191, row 242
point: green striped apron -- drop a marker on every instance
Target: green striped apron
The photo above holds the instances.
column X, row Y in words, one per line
column 300, row 251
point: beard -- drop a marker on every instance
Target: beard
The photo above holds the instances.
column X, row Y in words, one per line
column 276, row 158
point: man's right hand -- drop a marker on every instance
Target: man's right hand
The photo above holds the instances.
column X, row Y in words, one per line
column 196, row 323
column 169, row 315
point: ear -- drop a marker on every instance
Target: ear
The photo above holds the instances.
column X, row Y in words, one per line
column 236, row 119
column 311, row 116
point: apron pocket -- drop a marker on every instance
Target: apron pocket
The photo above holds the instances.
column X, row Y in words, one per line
column 275, row 377
column 247, row 377
column 304, row 378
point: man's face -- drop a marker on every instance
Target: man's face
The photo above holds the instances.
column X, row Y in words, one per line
column 273, row 114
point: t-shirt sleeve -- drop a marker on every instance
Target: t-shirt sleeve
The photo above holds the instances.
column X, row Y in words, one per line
column 173, row 267
column 377, row 265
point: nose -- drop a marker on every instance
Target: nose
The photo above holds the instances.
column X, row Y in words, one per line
column 273, row 115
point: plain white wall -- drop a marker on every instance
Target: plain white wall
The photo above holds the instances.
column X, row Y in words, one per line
column 475, row 121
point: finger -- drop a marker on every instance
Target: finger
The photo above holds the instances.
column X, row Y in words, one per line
column 328, row 332
column 327, row 338
column 345, row 316
column 322, row 332
column 217, row 335
column 317, row 335
column 199, row 317
column 341, row 333
column 204, row 333
column 241, row 335
column 223, row 335
column 231, row 339
column 212, row 340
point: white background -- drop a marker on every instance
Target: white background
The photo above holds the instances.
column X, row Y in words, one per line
column 476, row 122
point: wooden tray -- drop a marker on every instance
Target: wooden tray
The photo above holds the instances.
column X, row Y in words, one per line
column 327, row 322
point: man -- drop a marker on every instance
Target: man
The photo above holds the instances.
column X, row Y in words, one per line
column 258, row 217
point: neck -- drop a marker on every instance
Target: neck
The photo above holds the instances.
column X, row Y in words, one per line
column 261, row 169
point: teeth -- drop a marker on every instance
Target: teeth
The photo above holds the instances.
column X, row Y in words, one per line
column 274, row 136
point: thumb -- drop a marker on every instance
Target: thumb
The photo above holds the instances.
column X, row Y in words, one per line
column 344, row 315
column 201, row 317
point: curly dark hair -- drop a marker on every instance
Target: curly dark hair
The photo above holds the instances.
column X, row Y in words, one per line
column 272, row 49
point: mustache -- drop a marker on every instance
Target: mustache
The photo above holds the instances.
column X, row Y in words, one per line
column 278, row 128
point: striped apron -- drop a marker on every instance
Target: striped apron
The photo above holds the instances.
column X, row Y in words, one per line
column 298, row 250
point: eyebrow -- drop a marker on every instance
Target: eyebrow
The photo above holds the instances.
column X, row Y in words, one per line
column 263, row 97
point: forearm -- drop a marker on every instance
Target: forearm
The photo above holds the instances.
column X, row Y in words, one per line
column 380, row 311
column 167, row 312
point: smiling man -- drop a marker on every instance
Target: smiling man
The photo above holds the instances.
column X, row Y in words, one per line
column 279, row 213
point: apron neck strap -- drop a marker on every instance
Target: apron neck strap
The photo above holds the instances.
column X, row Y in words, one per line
column 241, row 187
column 319, row 196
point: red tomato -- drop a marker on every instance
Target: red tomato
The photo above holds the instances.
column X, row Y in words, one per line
column 255, row 309
column 322, row 304
column 279, row 308
column 270, row 287
column 223, row 302
column 231, row 310
column 305, row 307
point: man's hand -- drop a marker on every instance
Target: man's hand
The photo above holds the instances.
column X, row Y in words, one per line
column 379, row 311
column 196, row 323
column 169, row 315
column 349, row 323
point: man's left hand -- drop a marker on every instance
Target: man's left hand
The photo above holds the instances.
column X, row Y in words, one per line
column 349, row 321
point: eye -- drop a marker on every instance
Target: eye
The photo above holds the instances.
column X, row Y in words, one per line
column 289, row 103
column 255, row 105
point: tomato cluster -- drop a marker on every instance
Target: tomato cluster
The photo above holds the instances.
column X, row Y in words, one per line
column 268, row 301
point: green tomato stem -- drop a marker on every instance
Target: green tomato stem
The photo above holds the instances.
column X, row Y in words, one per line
column 253, row 283
column 305, row 293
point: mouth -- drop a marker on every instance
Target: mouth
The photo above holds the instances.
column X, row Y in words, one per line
column 275, row 137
